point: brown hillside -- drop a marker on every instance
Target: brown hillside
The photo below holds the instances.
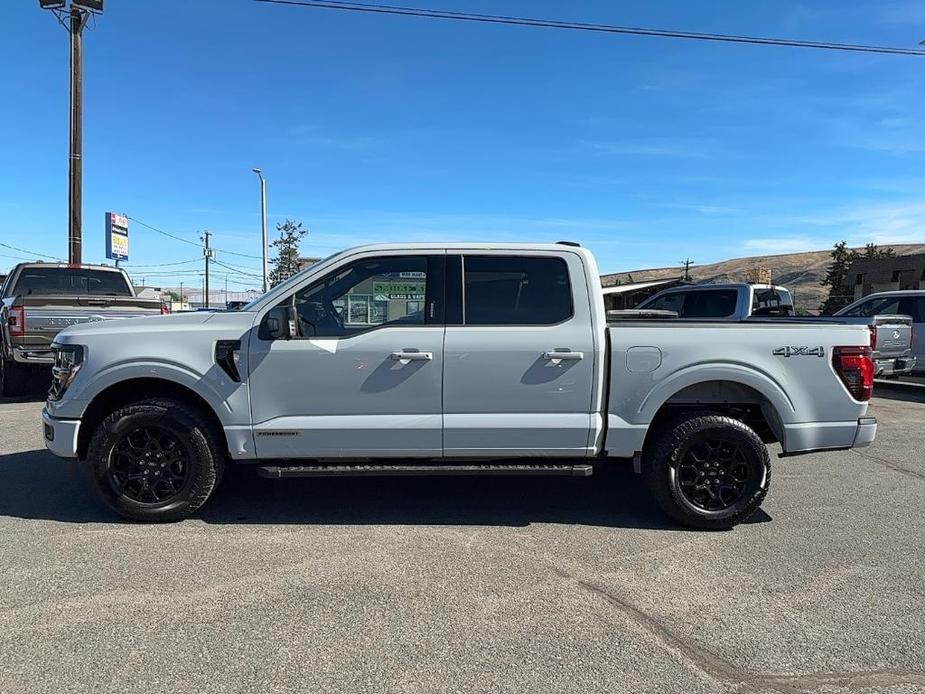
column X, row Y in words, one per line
column 799, row 272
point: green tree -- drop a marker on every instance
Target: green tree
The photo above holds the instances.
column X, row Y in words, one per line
column 286, row 262
column 841, row 293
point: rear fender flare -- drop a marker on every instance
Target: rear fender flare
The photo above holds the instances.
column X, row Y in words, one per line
column 702, row 373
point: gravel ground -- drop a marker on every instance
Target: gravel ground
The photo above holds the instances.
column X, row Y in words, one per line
column 468, row 585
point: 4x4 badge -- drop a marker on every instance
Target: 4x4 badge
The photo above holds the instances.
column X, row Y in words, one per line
column 798, row 351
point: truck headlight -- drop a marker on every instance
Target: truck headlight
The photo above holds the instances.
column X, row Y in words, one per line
column 68, row 360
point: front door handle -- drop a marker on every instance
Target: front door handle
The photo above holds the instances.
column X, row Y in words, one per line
column 556, row 356
column 412, row 356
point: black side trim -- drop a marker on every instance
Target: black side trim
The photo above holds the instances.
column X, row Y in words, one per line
column 815, row 450
column 425, row 469
column 224, row 357
column 454, row 300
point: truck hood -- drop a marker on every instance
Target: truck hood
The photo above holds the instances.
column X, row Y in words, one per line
column 178, row 322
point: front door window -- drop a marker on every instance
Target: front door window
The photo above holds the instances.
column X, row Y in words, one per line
column 369, row 293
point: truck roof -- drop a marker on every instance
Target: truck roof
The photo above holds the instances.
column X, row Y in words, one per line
column 465, row 246
column 725, row 285
column 80, row 266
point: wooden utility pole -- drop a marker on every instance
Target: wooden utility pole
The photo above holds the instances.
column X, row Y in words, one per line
column 207, row 254
column 687, row 262
column 77, row 19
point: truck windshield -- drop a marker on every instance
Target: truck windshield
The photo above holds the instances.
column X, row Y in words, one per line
column 45, row 281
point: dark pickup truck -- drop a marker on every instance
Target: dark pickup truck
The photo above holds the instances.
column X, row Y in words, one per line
column 38, row 300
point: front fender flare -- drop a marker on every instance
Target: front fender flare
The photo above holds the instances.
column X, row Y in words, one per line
column 172, row 372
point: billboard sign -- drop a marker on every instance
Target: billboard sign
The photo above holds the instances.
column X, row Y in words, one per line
column 116, row 236
column 408, row 290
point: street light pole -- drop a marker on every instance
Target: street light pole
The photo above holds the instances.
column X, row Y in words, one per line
column 263, row 223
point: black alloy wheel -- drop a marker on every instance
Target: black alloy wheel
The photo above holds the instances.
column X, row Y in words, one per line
column 156, row 459
column 149, row 465
column 713, row 473
column 707, row 470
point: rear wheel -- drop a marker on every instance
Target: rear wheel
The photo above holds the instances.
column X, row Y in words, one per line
column 708, row 471
column 13, row 378
column 155, row 460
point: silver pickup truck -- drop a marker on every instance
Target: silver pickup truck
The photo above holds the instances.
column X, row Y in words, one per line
column 487, row 359
column 38, row 300
column 890, row 334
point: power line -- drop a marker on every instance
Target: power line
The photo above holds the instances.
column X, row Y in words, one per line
column 165, row 233
column 582, row 26
column 235, row 270
column 192, row 243
column 34, row 254
column 244, row 269
column 131, row 266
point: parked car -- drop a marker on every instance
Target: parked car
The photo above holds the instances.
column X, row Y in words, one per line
column 38, row 300
column 909, row 302
column 489, row 359
column 890, row 334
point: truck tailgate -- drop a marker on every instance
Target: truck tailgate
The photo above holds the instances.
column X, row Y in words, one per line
column 894, row 335
column 46, row 316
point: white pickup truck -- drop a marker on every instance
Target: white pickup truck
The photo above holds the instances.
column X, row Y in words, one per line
column 451, row 359
column 890, row 334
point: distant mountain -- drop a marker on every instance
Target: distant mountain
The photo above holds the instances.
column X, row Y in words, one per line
column 799, row 272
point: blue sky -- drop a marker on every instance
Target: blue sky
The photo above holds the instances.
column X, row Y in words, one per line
column 376, row 128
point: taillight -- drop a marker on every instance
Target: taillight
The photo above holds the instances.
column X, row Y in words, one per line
column 856, row 370
column 165, row 309
column 873, row 338
column 17, row 321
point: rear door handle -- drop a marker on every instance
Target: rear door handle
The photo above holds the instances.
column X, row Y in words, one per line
column 412, row 356
column 556, row 356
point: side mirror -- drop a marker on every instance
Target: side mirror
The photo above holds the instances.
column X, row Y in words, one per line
column 276, row 324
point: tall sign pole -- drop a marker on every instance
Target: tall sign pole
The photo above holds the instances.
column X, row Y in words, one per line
column 75, row 171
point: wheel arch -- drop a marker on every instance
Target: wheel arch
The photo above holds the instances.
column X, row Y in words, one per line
column 764, row 409
column 133, row 389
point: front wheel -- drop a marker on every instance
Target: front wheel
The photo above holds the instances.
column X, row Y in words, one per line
column 708, row 471
column 155, row 460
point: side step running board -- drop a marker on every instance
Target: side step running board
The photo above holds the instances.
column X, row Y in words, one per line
column 428, row 470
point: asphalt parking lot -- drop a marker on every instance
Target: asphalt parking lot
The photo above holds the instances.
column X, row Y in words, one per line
column 468, row 585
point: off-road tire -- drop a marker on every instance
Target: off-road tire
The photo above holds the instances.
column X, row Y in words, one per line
column 674, row 440
column 206, row 457
column 13, row 378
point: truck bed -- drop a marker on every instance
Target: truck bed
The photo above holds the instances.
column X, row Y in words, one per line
column 783, row 366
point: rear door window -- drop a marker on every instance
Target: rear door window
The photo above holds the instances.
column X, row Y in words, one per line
column 913, row 306
column 772, row 302
column 515, row 290
column 669, row 302
column 711, row 303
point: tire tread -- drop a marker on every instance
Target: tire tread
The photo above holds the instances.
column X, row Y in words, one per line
column 662, row 455
column 203, row 483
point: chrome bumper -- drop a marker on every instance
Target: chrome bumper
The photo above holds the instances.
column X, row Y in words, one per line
column 60, row 435
column 33, row 355
column 893, row 367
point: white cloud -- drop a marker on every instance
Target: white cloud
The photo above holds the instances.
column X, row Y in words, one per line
column 651, row 147
column 782, row 244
